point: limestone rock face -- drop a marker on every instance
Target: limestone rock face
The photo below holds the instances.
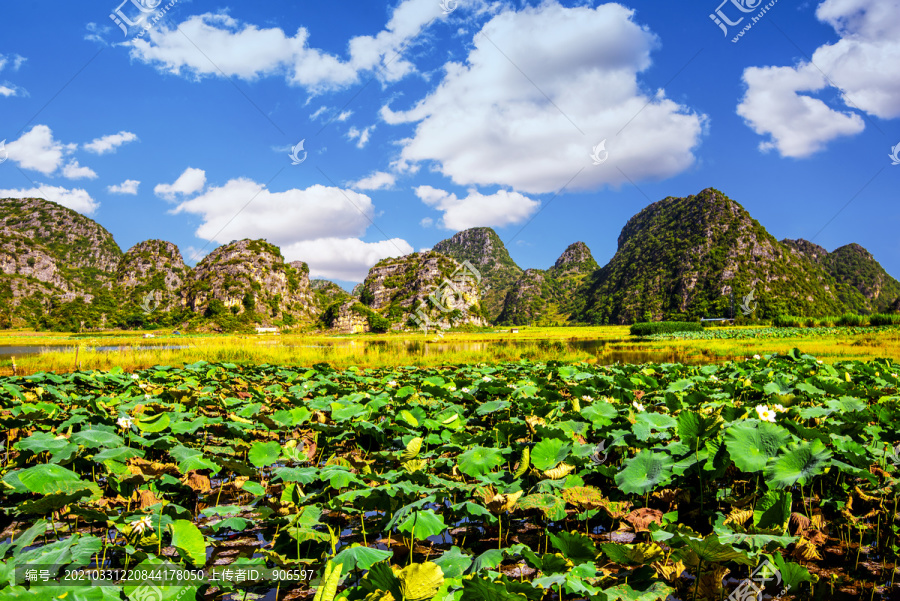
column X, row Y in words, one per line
column 50, row 254
column 482, row 247
column 348, row 321
column 250, row 275
column 399, row 289
column 151, row 274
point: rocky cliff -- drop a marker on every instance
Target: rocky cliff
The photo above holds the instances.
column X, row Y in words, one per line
column 249, row 276
column 151, row 275
column 50, row 256
column 399, row 289
column 482, row 247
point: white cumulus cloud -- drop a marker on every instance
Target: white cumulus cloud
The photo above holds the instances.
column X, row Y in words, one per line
column 495, row 210
column 75, row 199
column 129, row 186
column 379, row 180
column 248, row 51
column 189, row 182
column 37, row 150
column 110, row 143
column 73, row 170
column 488, row 123
column 346, row 259
column 320, row 225
column 778, row 103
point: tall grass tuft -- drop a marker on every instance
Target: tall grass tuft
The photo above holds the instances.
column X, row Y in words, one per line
column 884, row 319
column 851, row 320
column 665, row 327
column 788, row 321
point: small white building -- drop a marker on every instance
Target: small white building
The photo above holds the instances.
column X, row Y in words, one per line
column 266, row 330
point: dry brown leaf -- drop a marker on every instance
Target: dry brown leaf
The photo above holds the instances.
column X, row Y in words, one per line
column 197, row 481
column 710, row 585
column 643, row 517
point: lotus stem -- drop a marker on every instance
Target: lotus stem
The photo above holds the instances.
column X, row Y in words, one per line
column 858, row 549
column 697, row 581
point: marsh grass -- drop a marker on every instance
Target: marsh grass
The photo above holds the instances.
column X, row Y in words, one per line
column 416, row 349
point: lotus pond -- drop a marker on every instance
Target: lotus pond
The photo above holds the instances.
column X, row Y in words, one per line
column 520, row 481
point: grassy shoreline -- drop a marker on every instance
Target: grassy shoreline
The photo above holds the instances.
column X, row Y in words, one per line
column 597, row 344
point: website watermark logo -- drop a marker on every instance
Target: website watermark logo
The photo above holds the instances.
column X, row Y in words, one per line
column 746, row 303
column 448, row 297
column 595, row 153
column 4, row 154
column 150, row 303
column 448, row 6
column 295, row 153
column 752, row 588
column 140, row 14
column 601, row 452
column 895, row 154
column 731, row 14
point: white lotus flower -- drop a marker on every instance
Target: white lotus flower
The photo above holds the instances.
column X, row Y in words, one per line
column 124, row 422
column 486, row 379
column 637, row 405
column 765, row 414
column 713, row 379
column 466, row 390
column 134, row 376
column 757, row 357
column 779, row 408
column 392, row 383
column 819, row 361
column 142, row 525
column 588, row 398
column 451, row 388
column 513, row 386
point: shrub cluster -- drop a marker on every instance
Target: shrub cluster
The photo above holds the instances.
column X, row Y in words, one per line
column 665, row 327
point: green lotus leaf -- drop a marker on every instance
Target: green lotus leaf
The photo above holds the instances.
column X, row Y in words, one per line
column 773, row 510
column 426, row 523
column 697, row 426
column 154, row 423
column 97, row 439
column 46, row 479
column 359, row 557
column 548, row 453
column 264, row 454
column 454, row 562
column 575, row 546
column 751, row 443
column 189, row 542
column 480, row 589
column 658, row 591
column 798, row 464
column 644, row 472
column 479, row 461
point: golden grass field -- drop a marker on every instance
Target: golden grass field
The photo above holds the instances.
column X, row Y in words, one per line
column 605, row 344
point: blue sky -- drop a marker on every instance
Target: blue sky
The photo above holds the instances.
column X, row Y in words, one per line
column 420, row 119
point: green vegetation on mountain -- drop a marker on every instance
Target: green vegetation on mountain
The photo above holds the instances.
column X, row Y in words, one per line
column 482, row 247
column 681, row 259
column 678, row 259
column 549, row 297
